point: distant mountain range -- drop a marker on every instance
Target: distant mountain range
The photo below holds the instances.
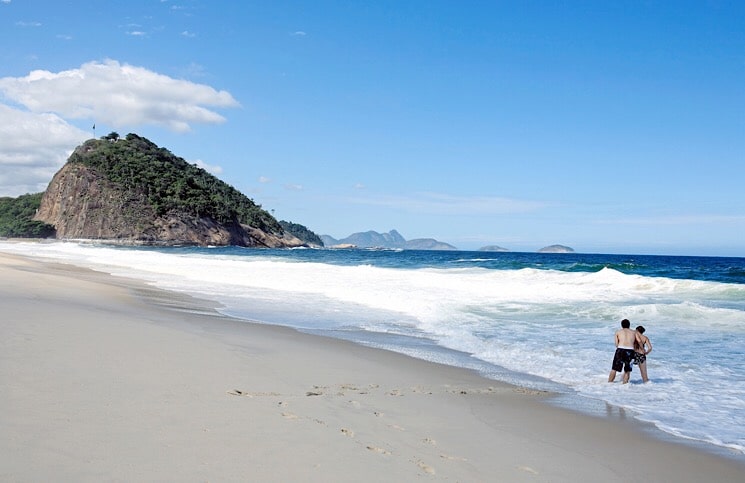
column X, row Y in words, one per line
column 392, row 239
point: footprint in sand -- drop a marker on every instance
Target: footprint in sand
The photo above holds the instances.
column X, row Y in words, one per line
column 425, row 467
column 347, row 432
column 528, row 469
column 289, row 416
column 238, row 392
column 375, row 449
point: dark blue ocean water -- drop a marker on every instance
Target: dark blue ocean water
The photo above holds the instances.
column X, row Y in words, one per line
column 715, row 269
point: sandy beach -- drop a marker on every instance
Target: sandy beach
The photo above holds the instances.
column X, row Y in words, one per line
column 107, row 379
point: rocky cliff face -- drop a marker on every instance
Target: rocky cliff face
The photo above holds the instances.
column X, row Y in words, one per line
column 82, row 204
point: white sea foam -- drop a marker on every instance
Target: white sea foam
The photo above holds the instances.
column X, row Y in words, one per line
column 550, row 324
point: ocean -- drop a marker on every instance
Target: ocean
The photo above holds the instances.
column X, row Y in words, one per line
column 543, row 321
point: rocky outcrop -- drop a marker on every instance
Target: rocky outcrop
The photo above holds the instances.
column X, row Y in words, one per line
column 343, row 246
column 82, row 204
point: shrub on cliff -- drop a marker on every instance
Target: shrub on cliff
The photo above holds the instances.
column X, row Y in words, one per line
column 16, row 218
column 301, row 232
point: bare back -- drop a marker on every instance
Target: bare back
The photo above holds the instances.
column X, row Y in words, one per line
column 625, row 338
column 643, row 344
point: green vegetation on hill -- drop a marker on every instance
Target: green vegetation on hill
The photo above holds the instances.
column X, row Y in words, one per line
column 169, row 183
column 16, row 217
column 301, row 232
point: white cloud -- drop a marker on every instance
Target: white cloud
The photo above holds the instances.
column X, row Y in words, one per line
column 188, row 34
column 294, row 187
column 445, row 204
column 264, row 179
column 136, row 33
column 298, row 33
column 4, row 1
column 34, row 147
column 21, row 23
column 119, row 95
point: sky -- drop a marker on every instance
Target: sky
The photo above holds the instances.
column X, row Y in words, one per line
column 605, row 126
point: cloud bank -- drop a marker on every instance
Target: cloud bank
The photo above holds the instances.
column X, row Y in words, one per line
column 35, row 134
column 34, row 146
column 118, row 95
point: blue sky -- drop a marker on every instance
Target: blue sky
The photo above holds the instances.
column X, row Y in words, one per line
column 610, row 127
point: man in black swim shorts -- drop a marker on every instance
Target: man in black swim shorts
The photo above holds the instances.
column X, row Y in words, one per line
column 625, row 338
column 622, row 359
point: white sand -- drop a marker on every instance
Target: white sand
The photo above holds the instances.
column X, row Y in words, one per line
column 105, row 379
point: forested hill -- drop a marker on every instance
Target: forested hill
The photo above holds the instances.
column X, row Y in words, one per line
column 169, row 183
column 130, row 190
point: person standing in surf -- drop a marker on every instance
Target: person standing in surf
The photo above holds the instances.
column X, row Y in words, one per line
column 625, row 340
column 642, row 347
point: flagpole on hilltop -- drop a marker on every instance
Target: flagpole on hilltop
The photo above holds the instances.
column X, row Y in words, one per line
column 94, row 130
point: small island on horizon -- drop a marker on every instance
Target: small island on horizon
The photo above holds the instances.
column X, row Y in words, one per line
column 493, row 248
column 556, row 249
column 548, row 249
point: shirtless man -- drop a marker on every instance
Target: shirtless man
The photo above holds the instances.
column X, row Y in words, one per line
column 642, row 347
column 625, row 338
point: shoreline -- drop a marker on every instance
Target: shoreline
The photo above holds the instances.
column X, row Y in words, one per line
column 110, row 378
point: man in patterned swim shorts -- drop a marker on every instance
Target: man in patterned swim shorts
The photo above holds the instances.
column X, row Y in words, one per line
column 625, row 338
